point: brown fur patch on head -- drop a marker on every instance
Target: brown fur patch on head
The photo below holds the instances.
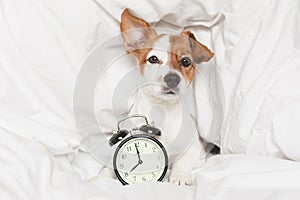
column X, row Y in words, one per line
column 142, row 58
column 186, row 45
column 200, row 52
column 142, row 54
column 180, row 48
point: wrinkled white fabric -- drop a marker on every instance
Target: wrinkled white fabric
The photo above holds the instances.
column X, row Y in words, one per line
column 247, row 97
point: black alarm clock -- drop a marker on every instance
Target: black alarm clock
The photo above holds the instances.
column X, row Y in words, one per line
column 139, row 156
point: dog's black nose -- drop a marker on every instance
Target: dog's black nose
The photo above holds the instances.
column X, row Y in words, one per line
column 172, row 80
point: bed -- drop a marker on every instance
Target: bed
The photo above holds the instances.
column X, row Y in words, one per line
column 248, row 97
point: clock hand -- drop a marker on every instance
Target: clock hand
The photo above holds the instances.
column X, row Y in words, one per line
column 135, row 167
column 140, row 162
column 138, row 153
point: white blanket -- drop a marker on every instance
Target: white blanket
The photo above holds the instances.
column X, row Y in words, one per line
column 252, row 83
column 28, row 171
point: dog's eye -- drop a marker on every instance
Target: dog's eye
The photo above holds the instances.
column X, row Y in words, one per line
column 185, row 62
column 153, row 59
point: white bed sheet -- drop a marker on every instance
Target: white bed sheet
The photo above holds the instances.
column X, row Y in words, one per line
column 256, row 43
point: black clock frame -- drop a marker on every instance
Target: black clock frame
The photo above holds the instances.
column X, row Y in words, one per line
column 139, row 136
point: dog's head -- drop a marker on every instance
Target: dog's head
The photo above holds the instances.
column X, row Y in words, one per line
column 170, row 60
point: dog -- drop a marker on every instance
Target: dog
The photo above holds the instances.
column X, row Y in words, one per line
column 169, row 61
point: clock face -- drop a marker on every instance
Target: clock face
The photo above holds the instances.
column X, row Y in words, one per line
column 140, row 159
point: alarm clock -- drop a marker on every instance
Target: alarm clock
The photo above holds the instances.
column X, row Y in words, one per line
column 139, row 156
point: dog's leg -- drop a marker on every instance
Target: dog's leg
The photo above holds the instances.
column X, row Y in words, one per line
column 181, row 169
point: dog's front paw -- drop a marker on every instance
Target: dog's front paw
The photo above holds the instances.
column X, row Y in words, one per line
column 107, row 172
column 180, row 179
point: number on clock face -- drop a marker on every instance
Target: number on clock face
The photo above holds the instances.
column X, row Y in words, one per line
column 140, row 159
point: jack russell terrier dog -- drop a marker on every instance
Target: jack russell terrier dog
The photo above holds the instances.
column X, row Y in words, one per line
column 170, row 62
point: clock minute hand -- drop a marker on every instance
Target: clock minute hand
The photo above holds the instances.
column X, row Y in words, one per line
column 140, row 161
column 138, row 153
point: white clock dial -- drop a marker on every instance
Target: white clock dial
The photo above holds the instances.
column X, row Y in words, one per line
column 140, row 159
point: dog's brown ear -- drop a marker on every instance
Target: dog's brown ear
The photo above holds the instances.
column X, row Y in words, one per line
column 200, row 52
column 136, row 32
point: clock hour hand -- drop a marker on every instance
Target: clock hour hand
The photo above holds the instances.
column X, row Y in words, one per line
column 140, row 162
column 135, row 167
